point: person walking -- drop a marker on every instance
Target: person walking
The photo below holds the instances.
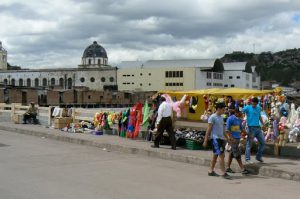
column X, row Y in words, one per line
column 216, row 133
column 254, row 130
column 164, row 122
column 234, row 128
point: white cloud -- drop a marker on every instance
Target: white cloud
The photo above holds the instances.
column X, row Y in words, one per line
column 40, row 33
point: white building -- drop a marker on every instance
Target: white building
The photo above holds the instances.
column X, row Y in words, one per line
column 93, row 73
column 235, row 76
column 3, row 58
column 155, row 75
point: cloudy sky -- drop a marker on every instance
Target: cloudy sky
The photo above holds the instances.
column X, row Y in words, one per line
column 44, row 34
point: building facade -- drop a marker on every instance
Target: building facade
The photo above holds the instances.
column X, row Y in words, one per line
column 3, row 58
column 93, row 73
column 155, row 75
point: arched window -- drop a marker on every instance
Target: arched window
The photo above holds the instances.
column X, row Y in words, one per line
column 99, row 61
column 29, row 82
column 44, row 81
column 70, row 83
column 92, row 79
column 82, row 79
column 52, row 81
column 61, row 82
column 13, row 82
column 111, row 79
column 36, row 82
column 5, row 81
column 102, row 79
column 20, row 82
column 90, row 61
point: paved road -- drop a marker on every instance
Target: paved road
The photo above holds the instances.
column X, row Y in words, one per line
column 34, row 168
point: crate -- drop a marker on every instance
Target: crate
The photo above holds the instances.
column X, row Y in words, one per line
column 193, row 145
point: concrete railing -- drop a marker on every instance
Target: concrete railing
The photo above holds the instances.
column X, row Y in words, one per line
column 83, row 114
column 18, row 110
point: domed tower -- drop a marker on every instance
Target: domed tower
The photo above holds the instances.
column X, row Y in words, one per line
column 3, row 58
column 94, row 56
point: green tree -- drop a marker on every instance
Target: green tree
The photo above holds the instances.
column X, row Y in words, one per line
column 218, row 66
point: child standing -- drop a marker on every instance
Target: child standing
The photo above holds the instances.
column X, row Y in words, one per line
column 234, row 128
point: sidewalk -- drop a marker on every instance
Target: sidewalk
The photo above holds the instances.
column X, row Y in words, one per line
column 276, row 167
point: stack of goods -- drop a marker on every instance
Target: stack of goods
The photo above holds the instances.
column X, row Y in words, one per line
column 62, row 117
column 130, row 121
column 192, row 139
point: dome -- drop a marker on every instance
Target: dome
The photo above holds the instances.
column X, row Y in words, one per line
column 94, row 50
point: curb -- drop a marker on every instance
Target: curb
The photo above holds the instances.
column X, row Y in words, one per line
column 155, row 153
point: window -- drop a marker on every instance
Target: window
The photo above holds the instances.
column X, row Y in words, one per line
column 230, row 77
column 20, row 82
column 70, row 83
column 238, row 77
column 92, row 79
column 5, row 81
column 166, row 74
column 132, row 75
column 61, row 82
column 99, row 62
column 232, row 85
column 124, row 82
column 177, row 73
column 208, row 84
column 89, row 97
column 52, row 81
column 141, row 84
column 102, row 79
column 177, row 84
column 181, row 74
column 225, row 85
column 90, row 61
column 36, row 82
column 13, row 82
column 82, row 79
column 44, row 82
column 149, row 74
column 167, row 84
column 29, row 82
column 149, row 84
column 111, row 79
column 253, row 79
column 181, row 84
column 141, row 74
column 217, row 84
column 124, row 75
column 208, row 75
column 173, row 73
column 132, row 82
column 170, row 73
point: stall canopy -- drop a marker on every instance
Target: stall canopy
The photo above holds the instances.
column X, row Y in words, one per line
column 236, row 93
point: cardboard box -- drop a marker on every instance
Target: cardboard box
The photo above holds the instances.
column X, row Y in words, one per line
column 62, row 122
column 18, row 119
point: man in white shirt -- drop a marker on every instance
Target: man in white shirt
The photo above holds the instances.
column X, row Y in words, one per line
column 164, row 122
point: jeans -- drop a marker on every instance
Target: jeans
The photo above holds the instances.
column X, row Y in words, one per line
column 254, row 131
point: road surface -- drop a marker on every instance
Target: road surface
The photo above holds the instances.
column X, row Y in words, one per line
column 38, row 168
